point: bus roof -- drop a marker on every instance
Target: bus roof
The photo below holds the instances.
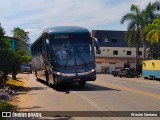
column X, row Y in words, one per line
column 62, row 30
column 65, row 30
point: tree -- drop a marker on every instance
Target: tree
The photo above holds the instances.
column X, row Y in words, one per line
column 153, row 36
column 23, row 49
column 134, row 27
column 4, row 40
column 153, row 31
column 6, row 62
column 138, row 20
column 22, row 36
column 10, row 59
column 4, row 46
column 25, row 56
column 149, row 14
column 18, row 57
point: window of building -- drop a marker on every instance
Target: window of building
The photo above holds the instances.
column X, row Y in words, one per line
column 115, row 52
column 100, row 40
column 114, row 40
column 106, row 40
column 98, row 52
column 129, row 52
column 140, row 53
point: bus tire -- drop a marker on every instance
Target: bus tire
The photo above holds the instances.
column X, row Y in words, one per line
column 54, row 82
column 82, row 84
column 50, row 84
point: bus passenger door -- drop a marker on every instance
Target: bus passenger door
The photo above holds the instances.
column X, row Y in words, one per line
column 48, row 65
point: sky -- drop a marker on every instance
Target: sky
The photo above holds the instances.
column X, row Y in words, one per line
column 34, row 15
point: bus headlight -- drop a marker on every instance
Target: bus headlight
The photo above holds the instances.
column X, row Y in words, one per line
column 58, row 73
column 93, row 70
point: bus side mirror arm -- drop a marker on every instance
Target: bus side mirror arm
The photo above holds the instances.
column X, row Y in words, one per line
column 47, row 45
column 96, row 43
column 47, row 41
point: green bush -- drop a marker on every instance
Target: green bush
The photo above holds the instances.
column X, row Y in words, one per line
column 5, row 106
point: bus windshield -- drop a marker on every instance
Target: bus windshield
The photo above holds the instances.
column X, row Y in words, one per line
column 73, row 49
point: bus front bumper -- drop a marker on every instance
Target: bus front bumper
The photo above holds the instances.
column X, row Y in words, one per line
column 77, row 77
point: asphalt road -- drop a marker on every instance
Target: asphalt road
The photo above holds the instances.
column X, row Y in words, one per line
column 107, row 93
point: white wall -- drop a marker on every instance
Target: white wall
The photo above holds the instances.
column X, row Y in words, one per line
column 107, row 59
column 122, row 52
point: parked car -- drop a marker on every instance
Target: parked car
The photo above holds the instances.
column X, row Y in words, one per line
column 128, row 72
column 26, row 68
column 115, row 73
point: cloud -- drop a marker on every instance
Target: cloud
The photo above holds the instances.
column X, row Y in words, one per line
column 33, row 15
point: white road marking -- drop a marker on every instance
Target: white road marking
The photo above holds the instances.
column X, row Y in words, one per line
column 98, row 107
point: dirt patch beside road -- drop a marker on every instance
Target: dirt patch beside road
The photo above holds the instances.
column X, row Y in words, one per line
column 24, row 100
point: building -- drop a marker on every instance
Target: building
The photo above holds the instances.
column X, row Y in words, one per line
column 114, row 52
column 14, row 43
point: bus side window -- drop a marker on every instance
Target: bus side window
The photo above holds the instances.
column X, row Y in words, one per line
column 43, row 44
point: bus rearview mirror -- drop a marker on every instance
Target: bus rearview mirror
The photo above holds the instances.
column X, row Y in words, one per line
column 96, row 43
column 47, row 41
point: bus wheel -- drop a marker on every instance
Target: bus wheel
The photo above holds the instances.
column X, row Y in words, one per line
column 54, row 81
column 82, row 84
column 50, row 84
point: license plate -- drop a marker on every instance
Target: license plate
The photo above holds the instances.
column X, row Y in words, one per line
column 80, row 70
column 77, row 79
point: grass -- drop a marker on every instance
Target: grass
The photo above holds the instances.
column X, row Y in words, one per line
column 12, row 82
column 5, row 106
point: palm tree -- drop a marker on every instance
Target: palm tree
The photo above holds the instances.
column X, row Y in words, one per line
column 134, row 27
column 149, row 14
column 153, row 30
column 154, row 36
